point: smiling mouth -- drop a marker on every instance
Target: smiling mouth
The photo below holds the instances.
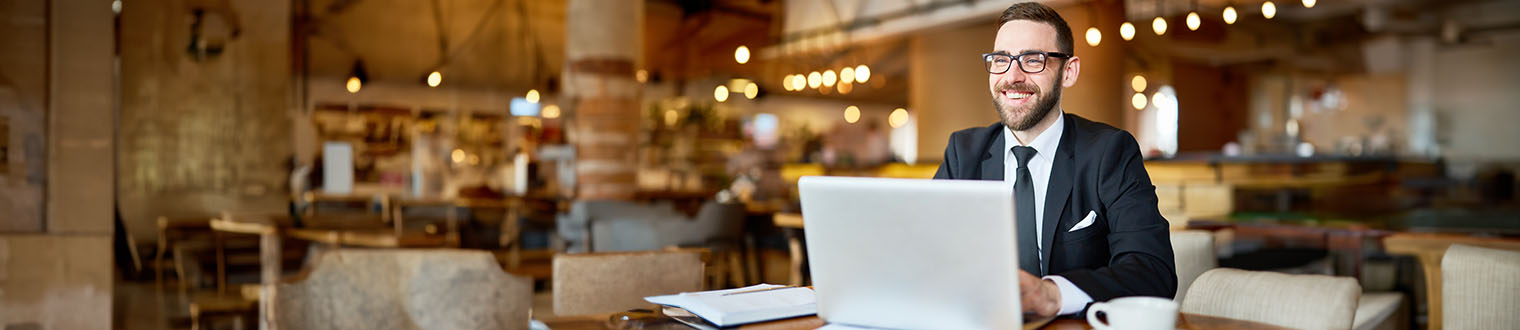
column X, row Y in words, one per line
column 1017, row 95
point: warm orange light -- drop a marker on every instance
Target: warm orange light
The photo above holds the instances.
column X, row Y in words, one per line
column 353, row 84
column 1094, row 36
column 1230, row 15
column 1159, row 25
column 720, row 93
column 1127, row 31
column 1193, row 21
column 851, row 114
column 1268, row 9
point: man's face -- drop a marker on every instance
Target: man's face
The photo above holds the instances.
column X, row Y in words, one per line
column 1023, row 99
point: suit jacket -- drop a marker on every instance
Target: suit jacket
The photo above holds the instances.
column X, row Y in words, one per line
column 1126, row 251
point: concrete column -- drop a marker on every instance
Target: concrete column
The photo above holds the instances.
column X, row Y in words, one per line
column 603, row 45
column 60, row 277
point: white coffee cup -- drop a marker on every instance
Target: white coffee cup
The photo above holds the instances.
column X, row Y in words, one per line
column 1144, row 313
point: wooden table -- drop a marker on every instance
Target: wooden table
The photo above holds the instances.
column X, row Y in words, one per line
column 1184, row 321
column 792, row 224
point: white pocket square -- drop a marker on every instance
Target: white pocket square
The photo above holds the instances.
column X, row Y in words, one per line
column 1087, row 221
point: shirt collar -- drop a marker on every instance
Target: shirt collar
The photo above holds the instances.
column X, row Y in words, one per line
column 1044, row 145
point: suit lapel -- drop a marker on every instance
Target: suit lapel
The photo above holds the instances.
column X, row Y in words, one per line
column 992, row 163
column 1057, row 190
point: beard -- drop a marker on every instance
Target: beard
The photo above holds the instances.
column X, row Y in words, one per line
column 1032, row 113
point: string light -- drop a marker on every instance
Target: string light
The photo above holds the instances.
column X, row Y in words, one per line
column 1159, row 25
column 1193, row 21
column 551, row 111
column 814, row 79
column 1094, row 36
column 435, row 78
column 898, row 118
column 1309, row 3
column 751, row 90
column 829, row 78
column 847, row 75
column 1127, row 31
column 862, row 73
column 721, row 93
column 1229, row 15
column 1138, row 101
column 798, row 82
column 353, row 85
column 851, row 114
column 532, row 96
column 1268, row 9
column 741, row 54
column 1138, row 83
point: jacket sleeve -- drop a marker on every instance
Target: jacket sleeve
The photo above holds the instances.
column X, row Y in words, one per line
column 1140, row 248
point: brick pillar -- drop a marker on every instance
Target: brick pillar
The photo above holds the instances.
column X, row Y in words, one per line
column 603, row 44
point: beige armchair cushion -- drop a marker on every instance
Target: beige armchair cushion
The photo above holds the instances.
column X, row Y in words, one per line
column 1480, row 288
column 1295, row 301
column 1194, row 254
column 603, row 283
column 404, row 289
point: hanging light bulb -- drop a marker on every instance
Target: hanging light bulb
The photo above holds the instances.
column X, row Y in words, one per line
column 356, row 77
column 1138, row 101
column 1127, row 31
column 1138, row 83
column 786, row 83
column 1268, row 9
column 741, row 54
column 1094, row 36
column 720, row 93
column 847, row 75
column 798, row 82
column 1229, row 15
column 862, row 73
column 1193, row 21
column 851, row 114
column 829, row 78
column 751, row 90
column 1309, row 3
column 1159, row 25
column 435, row 78
column 814, row 79
column 532, row 96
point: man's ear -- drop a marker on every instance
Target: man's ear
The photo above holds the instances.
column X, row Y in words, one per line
column 1073, row 67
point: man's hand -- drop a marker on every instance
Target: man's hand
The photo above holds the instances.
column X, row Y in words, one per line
column 1040, row 297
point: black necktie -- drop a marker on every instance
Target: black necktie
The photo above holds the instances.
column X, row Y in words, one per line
column 1023, row 198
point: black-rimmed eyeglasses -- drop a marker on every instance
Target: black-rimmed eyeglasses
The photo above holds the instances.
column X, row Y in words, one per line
column 1031, row 62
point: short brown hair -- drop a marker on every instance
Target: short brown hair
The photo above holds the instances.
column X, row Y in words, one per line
column 1034, row 11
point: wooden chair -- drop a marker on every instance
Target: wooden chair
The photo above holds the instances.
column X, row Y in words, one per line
column 175, row 238
column 1429, row 249
column 442, row 289
column 1481, row 288
column 1294, row 301
column 604, row 283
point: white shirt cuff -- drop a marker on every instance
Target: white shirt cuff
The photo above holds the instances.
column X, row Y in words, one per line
column 1073, row 299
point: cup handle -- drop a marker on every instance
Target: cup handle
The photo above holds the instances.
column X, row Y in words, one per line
column 1092, row 316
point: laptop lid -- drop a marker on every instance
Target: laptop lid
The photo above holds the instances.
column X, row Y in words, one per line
column 912, row 254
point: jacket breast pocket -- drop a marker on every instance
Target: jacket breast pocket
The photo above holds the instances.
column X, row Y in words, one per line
column 1087, row 232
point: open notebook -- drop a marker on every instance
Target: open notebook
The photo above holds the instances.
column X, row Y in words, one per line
column 726, row 308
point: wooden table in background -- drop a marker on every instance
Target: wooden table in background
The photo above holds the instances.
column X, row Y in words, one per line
column 792, row 224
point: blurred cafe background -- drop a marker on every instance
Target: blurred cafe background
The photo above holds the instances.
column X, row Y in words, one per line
column 170, row 164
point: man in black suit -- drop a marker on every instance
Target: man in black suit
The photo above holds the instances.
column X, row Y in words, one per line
column 1088, row 227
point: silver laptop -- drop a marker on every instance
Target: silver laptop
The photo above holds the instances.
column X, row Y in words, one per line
column 912, row 254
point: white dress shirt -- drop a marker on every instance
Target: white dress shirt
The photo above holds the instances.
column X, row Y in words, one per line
column 1073, row 299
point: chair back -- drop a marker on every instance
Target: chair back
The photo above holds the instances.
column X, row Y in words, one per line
column 1194, row 254
column 404, row 289
column 602, row 283
column 1480, row 287
column 1294, row 301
